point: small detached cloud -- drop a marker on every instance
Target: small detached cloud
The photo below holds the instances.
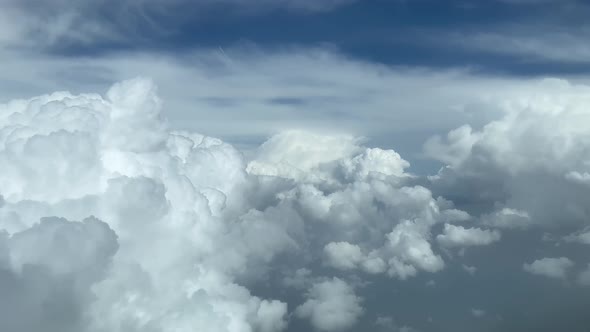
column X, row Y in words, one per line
column 469, row 269
column 458, row 236
column 556, row 268
column 478, row 313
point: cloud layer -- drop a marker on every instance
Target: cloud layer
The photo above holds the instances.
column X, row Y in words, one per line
column 122, row 223
column 193, row 222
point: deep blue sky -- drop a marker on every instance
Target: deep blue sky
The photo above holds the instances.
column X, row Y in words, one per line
column 408, row 33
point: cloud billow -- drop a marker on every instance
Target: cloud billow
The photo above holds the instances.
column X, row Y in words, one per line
column 180, row 231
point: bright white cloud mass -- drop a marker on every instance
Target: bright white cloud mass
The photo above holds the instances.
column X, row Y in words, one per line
column 115, row 221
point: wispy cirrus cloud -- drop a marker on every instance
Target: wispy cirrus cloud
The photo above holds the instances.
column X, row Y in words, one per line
column 43, row 24
column 565, row 46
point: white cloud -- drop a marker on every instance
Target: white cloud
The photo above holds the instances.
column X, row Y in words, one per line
column 294, row 153
column 512, row 161
column 411, row 251
column 343, row 255
column 163, row 193
column 331, row 306
column 556, row 268
column 375, row 162
column 196, row 221
column 350, row 192
column 458, row 236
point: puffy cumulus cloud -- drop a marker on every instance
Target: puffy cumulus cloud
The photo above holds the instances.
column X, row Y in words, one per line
column 172, row 198
column 458, row 236
column 189, row 224
column 343, row 255
column 331, row 305
column 196, row 235
column 377, row 220
column 375, row 162
column 405, row 259
column 525, row 169
column 410, row 251
column 325, row 160
column 556, row 268
column 294, row 154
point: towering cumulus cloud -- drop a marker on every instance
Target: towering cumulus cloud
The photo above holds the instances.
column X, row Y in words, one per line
column 176, row 225
column 113, row 222
column 165, row 256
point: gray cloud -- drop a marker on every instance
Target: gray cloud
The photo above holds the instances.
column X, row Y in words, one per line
column 47, row 271
column 550, row 267
column 458, row 236
column 510, row 163
column 478, row 312
column 331, row 306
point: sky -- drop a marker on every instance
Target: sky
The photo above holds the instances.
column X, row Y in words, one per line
column 294, row 165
